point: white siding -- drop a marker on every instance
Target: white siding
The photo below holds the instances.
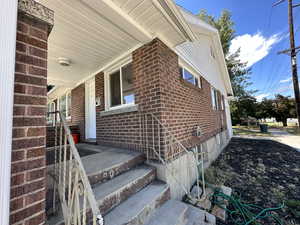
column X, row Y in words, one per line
column 199, row 55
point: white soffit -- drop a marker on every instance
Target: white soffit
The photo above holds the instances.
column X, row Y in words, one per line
column 92, row 33
column 83, row 36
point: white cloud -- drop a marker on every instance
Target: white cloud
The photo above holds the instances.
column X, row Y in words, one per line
column 286, row 80
column 253, row 47
column 260, row 97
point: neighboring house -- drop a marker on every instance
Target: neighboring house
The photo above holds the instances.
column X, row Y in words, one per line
column 146, row 77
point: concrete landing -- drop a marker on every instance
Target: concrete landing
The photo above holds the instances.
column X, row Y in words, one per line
column 171, row 213
column 196, row 216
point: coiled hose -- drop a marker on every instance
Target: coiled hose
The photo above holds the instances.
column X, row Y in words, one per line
column 243, row 213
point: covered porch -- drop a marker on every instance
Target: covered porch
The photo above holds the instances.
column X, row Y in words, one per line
column 90, row 57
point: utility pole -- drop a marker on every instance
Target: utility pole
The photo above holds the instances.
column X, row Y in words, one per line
column 293, row 54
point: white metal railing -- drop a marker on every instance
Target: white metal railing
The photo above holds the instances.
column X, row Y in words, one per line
column 71, row 184
column 160, row 143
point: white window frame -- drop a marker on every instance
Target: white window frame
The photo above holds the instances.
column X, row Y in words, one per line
column 67, row 108
column 196, row 77
column 214, row 98
column 116, row 67
column 52, row 116
column 186, row 66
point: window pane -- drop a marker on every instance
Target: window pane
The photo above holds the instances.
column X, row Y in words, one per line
column 69, row 104
column 213, row 98
column 115, row 89
column 127, row 85
column 62, row 105
column 189, row 77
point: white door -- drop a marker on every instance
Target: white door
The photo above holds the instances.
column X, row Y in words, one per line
column 90, row 109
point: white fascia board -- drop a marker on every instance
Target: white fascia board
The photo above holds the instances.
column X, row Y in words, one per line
column 202, row 27
column 112, row 13
column 8, row 27
column 223, row 65
column 194, row 20
column 171, row 13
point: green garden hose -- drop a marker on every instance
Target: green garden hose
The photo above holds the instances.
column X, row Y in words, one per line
column 243, row 213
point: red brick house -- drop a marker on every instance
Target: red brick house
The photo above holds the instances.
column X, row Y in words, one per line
column 140, row 80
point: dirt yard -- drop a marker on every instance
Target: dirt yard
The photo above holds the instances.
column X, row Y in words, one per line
column 265, row 172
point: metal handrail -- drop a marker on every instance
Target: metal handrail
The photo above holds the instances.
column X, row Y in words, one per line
column 74, row 190
column 172, row 140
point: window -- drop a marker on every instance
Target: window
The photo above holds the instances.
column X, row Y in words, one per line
column 189, row 77
column 223, row 103
column 121, row 89
column 64, row 105
column 214, row 98
column 51, row 116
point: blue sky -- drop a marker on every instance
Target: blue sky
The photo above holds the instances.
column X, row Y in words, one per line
column 261, row 31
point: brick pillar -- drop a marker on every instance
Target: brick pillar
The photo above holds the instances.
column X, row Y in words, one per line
column 28, row 171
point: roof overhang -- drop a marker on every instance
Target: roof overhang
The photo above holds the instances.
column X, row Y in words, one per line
column 198, row 28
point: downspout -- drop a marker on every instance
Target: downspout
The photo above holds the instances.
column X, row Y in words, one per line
column 8, row 26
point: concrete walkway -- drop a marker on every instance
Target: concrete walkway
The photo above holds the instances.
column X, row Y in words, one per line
column 286, row 138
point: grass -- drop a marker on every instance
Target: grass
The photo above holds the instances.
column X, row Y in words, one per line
column 293, row 130
column 255, row 131
column 250, row 131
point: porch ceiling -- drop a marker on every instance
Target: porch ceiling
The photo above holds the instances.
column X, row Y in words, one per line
column 92, row 33
column 83, row 36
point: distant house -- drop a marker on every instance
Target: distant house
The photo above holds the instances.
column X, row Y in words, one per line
column 142, row 85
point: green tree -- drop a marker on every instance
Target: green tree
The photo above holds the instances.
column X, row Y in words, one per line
column 238, row 71
column 265, row 109
column 242, row 108
column 283, row 108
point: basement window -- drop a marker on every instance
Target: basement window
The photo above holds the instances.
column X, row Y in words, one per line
column 190, row 77
column 121, row 89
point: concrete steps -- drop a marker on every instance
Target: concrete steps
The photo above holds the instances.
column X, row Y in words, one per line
column 108, row 164
column 138, row 208
column 171, row 213
column 117, row 190
column 103, row 165
column 174, row 212
column 128, row 193
column 196, row 216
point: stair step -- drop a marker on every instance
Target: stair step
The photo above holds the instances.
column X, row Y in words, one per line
column 113, row 192
column 138, row 208
column 92, row 141
column 173, row 212
column 108, row 164
column 196, row 216
column 100, row 167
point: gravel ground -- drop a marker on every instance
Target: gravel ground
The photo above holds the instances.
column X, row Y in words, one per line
column 265, row 172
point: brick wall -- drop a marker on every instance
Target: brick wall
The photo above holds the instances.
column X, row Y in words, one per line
column 29, row 120
column 120, row 130
column 159, row 89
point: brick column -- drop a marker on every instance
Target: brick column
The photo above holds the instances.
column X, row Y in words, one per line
column 28, row 170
